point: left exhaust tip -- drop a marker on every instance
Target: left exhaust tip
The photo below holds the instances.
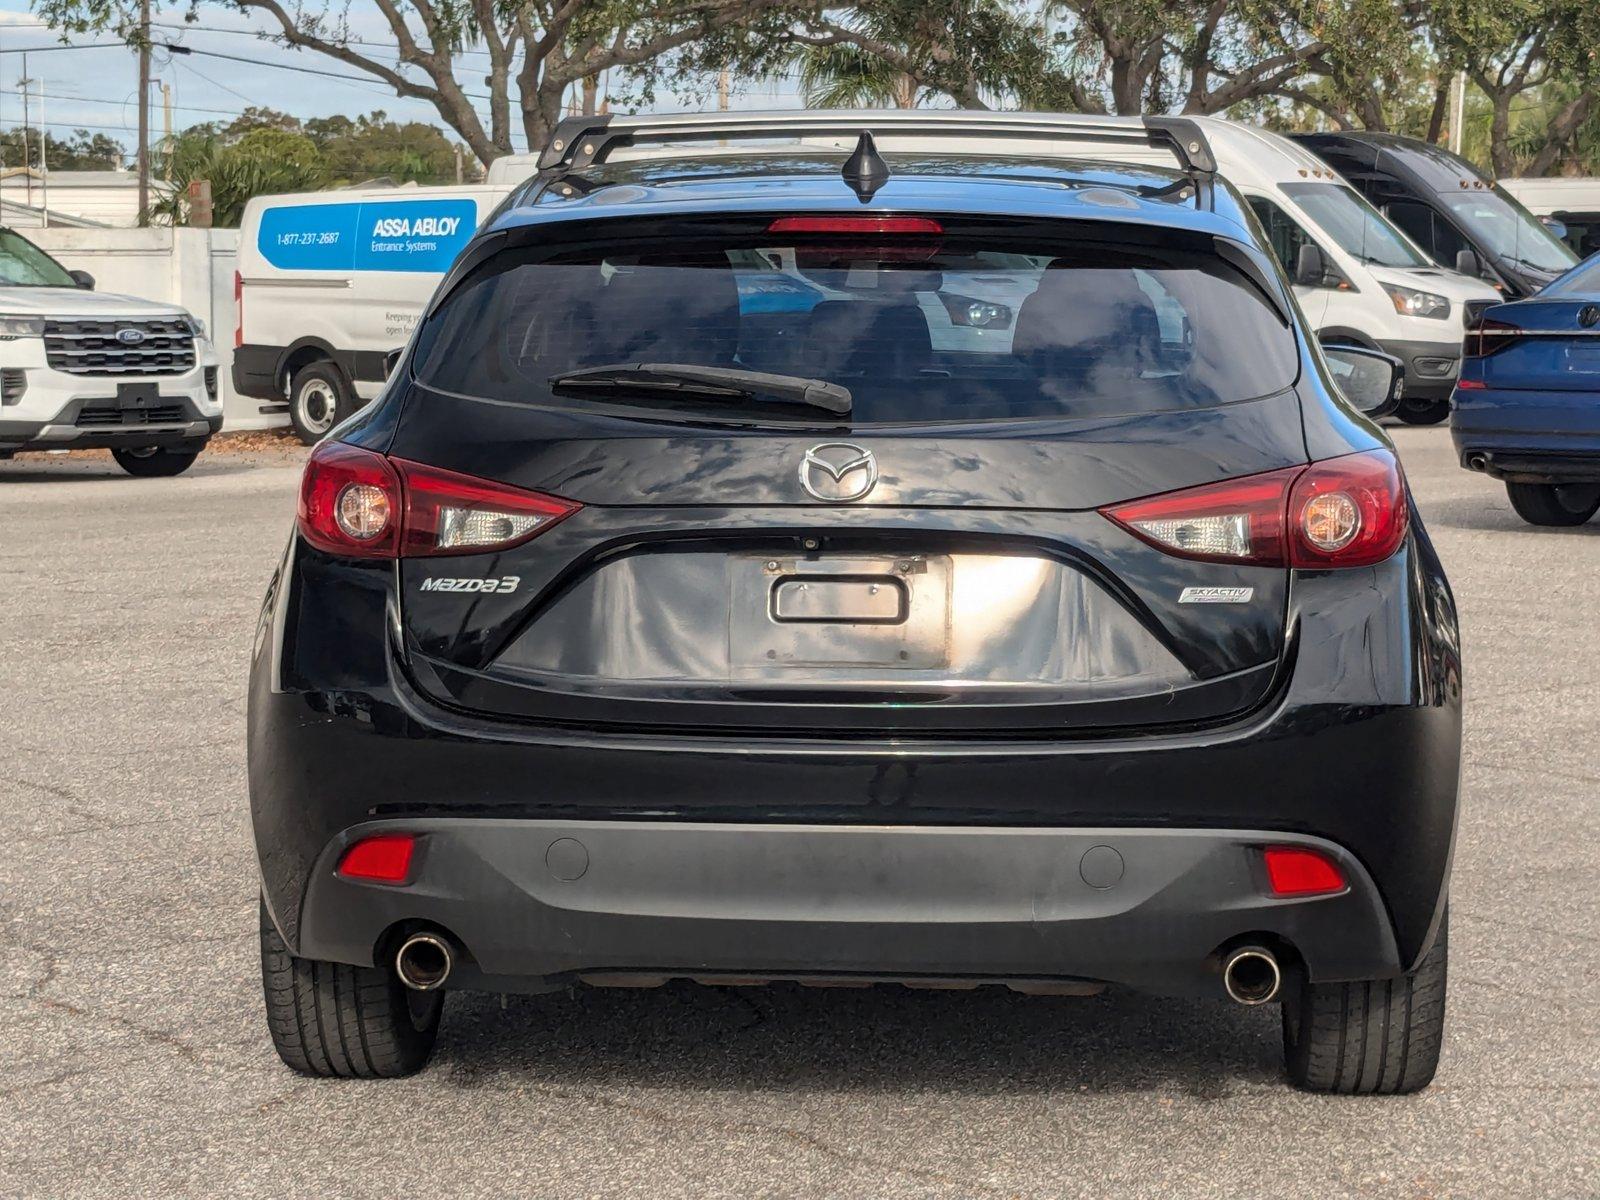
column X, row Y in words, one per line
column 424, row 961
column 1252, row 976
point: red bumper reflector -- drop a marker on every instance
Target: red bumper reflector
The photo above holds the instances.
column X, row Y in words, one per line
column 1296, row 871
column 385, row 858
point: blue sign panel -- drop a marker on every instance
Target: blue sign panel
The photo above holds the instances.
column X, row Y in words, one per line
column 383, row 235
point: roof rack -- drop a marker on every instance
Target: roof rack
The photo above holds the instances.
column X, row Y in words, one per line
column 579, row 141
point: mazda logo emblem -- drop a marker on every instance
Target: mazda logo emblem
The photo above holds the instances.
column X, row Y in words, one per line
column 130, row 337
column 838, row 472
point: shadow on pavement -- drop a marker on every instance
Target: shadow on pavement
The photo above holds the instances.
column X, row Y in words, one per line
column 882, row 1039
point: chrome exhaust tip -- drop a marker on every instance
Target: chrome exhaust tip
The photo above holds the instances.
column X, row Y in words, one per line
column 1477, row 462
column 1251, row 975
column 424, row 961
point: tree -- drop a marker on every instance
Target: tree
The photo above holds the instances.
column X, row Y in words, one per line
column 262, row 161
column 535, row 49
column 82, row 151
column 1511, row 49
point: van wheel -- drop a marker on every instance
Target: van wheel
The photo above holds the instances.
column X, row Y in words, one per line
column 1380, row 1037
column 319, row 398
column 1423, row 412
column 152, row 462
column 1554, row 503
column 332, row 1019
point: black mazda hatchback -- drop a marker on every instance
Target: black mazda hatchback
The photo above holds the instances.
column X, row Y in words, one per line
column 950, row 564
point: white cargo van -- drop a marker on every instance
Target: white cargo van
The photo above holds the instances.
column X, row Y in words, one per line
column 328, row 283
column 81, row 369
column 1569, row 205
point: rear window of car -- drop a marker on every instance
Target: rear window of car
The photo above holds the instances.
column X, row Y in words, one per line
column 917, row 328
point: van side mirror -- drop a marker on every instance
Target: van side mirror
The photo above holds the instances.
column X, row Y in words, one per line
column 1370, row 380
column 1556, row 226
column 83, row 279
column 1467, row 263
column 391, row 360
column 1310, row 269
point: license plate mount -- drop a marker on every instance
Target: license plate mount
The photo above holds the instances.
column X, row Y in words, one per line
column 837, row 614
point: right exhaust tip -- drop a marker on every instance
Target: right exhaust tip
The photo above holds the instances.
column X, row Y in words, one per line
column 1251, row 975
column 424, row 961
column 1477, row 462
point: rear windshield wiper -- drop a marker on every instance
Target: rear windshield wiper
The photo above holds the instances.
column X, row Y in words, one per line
column 700, row 382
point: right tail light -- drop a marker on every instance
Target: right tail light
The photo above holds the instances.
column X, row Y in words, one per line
column 1349, row 511
column 360, row 504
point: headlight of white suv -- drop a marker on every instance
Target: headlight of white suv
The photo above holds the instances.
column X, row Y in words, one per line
column 12, row 328
column 195, row 324
column 1409, row 302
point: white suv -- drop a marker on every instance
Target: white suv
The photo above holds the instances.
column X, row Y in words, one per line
column 80, row 369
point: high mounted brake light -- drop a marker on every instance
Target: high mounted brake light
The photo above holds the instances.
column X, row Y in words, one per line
column 359, row 504
column 1341, row 512
column 855, row 225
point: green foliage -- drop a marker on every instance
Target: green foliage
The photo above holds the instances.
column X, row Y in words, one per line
column 263, row 151
column 81, row 151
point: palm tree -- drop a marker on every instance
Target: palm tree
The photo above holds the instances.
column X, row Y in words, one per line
column 844, row 76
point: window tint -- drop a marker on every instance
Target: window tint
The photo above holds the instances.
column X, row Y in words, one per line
column 1416, row 220
column 918, row 329
column 1581, row 281
column 1283, row 233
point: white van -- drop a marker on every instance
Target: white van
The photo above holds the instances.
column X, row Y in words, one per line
column 329, row 283
column 1570, row 205
column 81, row 369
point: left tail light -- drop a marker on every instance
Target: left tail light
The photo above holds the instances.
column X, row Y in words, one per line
column 1340, row 512
column 360, row 504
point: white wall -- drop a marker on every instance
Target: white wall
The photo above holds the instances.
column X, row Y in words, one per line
column 191, row 267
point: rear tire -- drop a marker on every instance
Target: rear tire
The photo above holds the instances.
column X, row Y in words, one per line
column 319, row 398
column 1377, row 1038
column 1423, row 412
column 152, row 462
column 1554, row 503
column 332, row 1019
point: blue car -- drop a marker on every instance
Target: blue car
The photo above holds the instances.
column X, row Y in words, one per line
column 1526, row 409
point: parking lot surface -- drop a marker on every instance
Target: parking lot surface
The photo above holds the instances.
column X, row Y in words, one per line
column 136, row 1059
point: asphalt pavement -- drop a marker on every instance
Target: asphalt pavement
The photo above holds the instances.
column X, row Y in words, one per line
column 136, row 1059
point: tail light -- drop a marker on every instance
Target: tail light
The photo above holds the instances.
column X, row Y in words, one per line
column 1298, row 871
column 855, row 225
column 359, row 504
column 238, row 310
column 1487, row 337
column 1340, row 512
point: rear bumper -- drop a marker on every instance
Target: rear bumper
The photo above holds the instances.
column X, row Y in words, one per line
column 535, row 904
column 1359, row 749
column 1528, row 436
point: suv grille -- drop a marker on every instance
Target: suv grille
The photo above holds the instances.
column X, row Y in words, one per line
column 90, row 347
column 1475, row 309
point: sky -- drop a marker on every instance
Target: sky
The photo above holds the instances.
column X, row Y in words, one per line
column 97, row 88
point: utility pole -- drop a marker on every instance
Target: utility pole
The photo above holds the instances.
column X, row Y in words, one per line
column 724, row 87
column 144, row 113
column 22, row 86
column 44, row 167
column 166, row 127
column 1458, row 104
column 460, row 166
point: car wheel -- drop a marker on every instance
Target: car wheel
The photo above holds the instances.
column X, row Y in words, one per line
column 319, row 398
column 1423, row 412
column 332, row 1019
column 1378, row 1037
column 152, row 462
column 1554, row 503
